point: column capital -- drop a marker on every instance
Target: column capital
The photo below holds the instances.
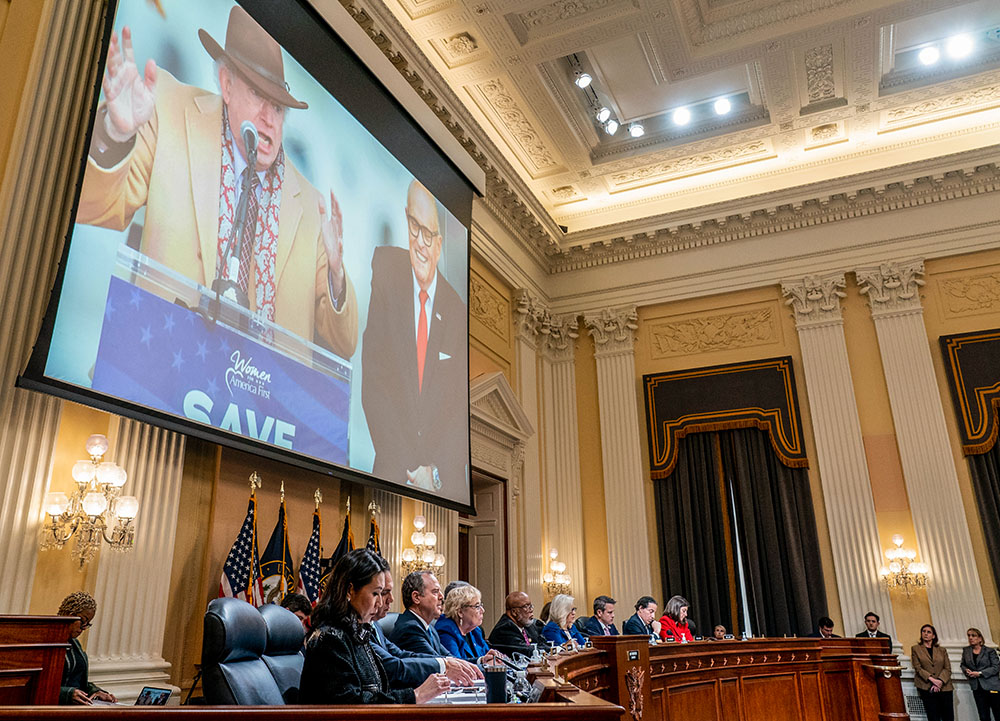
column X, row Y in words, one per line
column 613, row 329
column 815, row 299
column 892, row 287
column 530, row 315
column 558, row 336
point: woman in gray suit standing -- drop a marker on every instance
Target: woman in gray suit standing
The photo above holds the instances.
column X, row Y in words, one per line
column 981, row 666
column 933, row 676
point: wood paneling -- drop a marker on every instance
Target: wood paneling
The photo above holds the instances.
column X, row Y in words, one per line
column 32, row 654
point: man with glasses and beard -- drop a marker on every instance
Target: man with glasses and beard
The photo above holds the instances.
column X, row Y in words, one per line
column 515, row 632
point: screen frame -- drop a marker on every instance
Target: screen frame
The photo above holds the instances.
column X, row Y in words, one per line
column 441, row 176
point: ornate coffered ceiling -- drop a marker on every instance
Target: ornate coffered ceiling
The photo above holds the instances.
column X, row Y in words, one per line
column 822, row 90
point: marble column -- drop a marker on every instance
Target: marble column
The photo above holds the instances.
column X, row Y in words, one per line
column 36, row 193
column 560, row 447
column 525, row 521
column 126, row 647
column 614, row 336
column 943, row 540
column 840, row 450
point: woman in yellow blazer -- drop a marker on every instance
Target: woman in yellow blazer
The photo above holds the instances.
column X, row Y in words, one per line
column 932, row 678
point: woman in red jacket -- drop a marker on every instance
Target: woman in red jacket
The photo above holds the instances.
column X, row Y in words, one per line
column 673, row 623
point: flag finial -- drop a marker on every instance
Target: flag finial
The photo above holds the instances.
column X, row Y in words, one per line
column 319, row 498
column 255, row 482
column 374, row 508
column 282, row 491
column 348, row 505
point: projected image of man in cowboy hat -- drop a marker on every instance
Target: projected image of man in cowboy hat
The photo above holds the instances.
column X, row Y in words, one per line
column 178, row 151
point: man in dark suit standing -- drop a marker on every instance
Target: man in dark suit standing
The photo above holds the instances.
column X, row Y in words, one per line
column 871, row 627
column 641, row 622
column 409, row 669
column 514, row 632
column 602, row 623
column 414, row 386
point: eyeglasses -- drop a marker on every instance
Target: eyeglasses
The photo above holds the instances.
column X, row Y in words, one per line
column 521, row 608
column 477, row 606
column 427, row 235
column 84, row 625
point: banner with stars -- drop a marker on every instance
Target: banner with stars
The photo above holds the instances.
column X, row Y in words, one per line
column 164, row 356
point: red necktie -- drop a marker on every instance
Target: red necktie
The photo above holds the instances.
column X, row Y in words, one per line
column 248, row 233
column 421, row 340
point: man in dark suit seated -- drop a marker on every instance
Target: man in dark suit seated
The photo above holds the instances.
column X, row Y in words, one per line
column 602, row 623
column 422, row 601
column 871, row 627
column 406, row 669
column 515, row 631
column 641, row 622
column 824, row 628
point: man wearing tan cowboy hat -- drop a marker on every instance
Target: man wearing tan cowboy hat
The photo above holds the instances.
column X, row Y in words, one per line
column 179, row 151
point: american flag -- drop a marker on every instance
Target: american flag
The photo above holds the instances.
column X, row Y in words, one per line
column 309, row 570
column 241, row 572
column 345, row 546
column 372, row 544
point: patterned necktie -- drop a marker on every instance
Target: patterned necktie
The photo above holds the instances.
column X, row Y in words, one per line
column 421, row 339
column 249, row 232
column 607, row 631
column 526, row 639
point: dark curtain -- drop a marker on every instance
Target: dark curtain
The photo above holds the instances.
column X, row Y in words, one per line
column 694, row 538
column 778, row 542
column 985, row 470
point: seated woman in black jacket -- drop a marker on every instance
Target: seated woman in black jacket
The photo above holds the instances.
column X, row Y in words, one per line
column 340, row 666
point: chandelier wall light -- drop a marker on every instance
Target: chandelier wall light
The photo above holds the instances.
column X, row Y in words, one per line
column 902, row 571
column 556, row 580
column 423, row 556
column 96, row 510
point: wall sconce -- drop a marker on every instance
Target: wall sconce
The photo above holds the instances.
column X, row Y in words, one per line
column 423, row 556
column 902, row 571
column 93, row 507
column 556, row 581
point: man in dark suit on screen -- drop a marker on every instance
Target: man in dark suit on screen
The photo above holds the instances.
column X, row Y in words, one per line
column 414, row 386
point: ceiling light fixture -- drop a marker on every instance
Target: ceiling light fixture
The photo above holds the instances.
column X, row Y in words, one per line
column 636, row 130
column 582, row 79
column 929, row 55
column 722, row 106
column 603, row 114
column 681, row 116
column 959, row 46
column 611, row 127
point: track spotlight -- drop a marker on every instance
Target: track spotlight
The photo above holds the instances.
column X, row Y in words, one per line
column 959, row 46
column 603, row 114
column 929, row 55
column 681, row 116
column 583, row 79
column 722, row 106
column 636, row 130
column 611, row 127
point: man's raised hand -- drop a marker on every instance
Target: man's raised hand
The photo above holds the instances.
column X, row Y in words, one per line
column 128, row 95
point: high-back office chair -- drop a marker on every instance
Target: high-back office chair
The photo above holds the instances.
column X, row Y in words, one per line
column 233, row 672
column 388, row 623
column 283, row 651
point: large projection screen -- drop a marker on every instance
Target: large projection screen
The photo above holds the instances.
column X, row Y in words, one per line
column 266, row 251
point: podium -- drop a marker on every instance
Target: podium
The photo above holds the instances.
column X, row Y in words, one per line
column 32, row 656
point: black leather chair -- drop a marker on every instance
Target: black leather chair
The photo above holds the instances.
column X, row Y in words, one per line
column 232, row 668
column 283, row 652
column 388, row 623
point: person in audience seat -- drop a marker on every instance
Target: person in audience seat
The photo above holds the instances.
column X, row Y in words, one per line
column 340, row 665
column 516, row 631
column 459, row 627
column 674, row 621
column 640, row 623
column 602, row 623
column 298, row 604
column 75, row 687
column 560, row 630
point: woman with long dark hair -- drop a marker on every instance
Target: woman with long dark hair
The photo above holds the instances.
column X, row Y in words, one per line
column 340, row 666
column 932, row 676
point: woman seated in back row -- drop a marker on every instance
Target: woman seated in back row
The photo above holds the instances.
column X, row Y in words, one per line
column 459, row 626
column 340, row 666
column 560, row 630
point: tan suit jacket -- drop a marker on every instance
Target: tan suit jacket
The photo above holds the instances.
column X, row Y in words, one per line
column 930, row 662
column 174, row 171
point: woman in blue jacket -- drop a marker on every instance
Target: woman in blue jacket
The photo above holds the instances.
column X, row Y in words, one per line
column 560, row 630
column 460, row 625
